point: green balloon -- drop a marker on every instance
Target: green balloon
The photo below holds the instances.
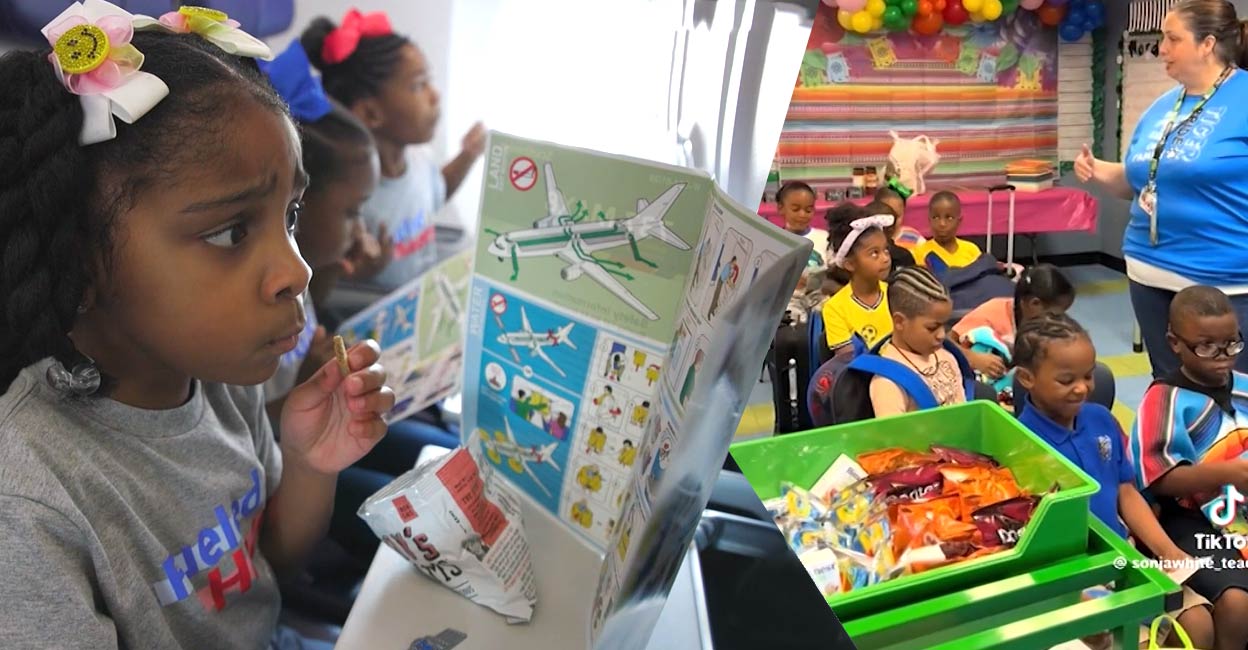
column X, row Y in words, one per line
column 911, row 7
column 1008, row 7
column 893, row 14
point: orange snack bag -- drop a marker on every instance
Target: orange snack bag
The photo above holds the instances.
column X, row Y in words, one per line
column 891, row 460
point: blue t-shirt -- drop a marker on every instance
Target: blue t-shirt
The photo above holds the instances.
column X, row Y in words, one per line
column 1202, row 202
column 1098, row 446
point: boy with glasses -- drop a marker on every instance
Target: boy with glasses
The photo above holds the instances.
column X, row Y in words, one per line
column 1190, row 441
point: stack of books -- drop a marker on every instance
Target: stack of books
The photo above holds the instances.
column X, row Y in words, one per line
column 1030, row 175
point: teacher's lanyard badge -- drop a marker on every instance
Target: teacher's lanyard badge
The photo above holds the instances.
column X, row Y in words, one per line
column 1148, row 198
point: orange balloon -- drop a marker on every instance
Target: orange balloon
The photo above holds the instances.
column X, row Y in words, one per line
column 925, row 8
column 1050, row 15
column 929, row 24
column 939, row 5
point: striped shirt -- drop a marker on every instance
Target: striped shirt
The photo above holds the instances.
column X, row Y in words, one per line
column 1180, row 423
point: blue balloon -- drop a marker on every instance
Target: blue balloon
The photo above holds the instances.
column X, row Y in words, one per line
column 1090, row 25
column 1072, row 32
column 1095, row 10
column 1074, row 15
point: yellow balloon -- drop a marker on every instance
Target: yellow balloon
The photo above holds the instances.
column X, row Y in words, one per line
column 876, row 7
column 877, row 23
column 992, row 9
column 862, row 21
column 973, row 6
column 845, row 18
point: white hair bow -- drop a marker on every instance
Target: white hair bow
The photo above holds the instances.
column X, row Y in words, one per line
column 93, row 58
column 213, row 25
column 856, row 228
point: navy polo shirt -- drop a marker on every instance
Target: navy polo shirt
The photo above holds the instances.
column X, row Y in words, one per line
column 1097, row 446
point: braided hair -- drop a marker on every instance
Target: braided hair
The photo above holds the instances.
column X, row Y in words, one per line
column 59, row 201
column 360, row 75
column 912, row 291
column 1045, row 283
column 326, row 141
column 1034, row 337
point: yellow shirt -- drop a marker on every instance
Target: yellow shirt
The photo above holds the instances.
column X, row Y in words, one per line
column 966, row 253
column 844, row 315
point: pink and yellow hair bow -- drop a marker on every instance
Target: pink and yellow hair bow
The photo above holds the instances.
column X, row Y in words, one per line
column 93, row 58
column 211, row 24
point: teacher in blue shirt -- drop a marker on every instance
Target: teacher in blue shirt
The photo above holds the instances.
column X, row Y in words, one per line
column 1186, row 175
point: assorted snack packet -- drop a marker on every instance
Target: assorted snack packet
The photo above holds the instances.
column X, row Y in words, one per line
column 461, row 531
column 897, row 512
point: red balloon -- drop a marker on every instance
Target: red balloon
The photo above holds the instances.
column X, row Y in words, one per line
column 955, row 13
column 928, row 25
column 925, row 8
column 1051, row 15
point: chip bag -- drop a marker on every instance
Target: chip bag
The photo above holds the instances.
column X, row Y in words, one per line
column 1001, row 524
column 891, row 460
column 459, row 530
column 963, row 456
column 910, row 484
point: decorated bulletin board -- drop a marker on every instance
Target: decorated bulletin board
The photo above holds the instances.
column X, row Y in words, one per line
column 984, row 89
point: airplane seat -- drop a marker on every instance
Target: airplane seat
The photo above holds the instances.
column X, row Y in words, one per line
column 733, row 495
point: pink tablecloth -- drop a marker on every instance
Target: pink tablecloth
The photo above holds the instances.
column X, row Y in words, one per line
column 1061, row 209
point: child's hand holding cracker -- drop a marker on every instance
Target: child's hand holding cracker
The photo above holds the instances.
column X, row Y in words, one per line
column 332, row 420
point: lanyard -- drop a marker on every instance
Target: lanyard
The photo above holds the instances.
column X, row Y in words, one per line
column 1165, row 136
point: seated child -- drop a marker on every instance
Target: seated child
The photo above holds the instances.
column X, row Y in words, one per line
column 894, row 195
column 145, row 500
column 920, row 308
column 900, row 256
column 1188, row 445
column 1056, row 360
column 797, row 205
column 861, row 251
column 944, row 250
column 1042, row 289
column 384, row 80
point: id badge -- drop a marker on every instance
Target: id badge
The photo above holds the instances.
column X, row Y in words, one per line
column 1148, row 201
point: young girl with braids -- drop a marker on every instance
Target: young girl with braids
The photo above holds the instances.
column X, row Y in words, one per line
column 150, row 282
column 920, row 306
column 1056, row 361
column 383, row 78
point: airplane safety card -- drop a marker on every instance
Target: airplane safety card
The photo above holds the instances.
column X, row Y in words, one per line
column 420, row 327
column 597, row 286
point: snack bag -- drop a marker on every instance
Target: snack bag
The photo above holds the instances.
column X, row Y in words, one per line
column 931, row 522
column 1001, row 524
column 461, row 531
column 824, row 568
column 910, row 484
column 963, row 456
column 891, row 460
column 842, row 474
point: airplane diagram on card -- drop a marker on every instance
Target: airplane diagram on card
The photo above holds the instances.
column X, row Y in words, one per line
column 574, row 238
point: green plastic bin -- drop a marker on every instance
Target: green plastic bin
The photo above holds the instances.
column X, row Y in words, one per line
column 1058, row 528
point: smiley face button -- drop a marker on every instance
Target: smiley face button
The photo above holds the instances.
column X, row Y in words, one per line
column 81, row 49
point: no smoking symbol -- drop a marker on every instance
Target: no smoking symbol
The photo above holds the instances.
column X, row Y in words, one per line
column 498, row 304
column 523, row 173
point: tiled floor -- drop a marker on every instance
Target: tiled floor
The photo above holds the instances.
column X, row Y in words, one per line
column 1102, row 307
